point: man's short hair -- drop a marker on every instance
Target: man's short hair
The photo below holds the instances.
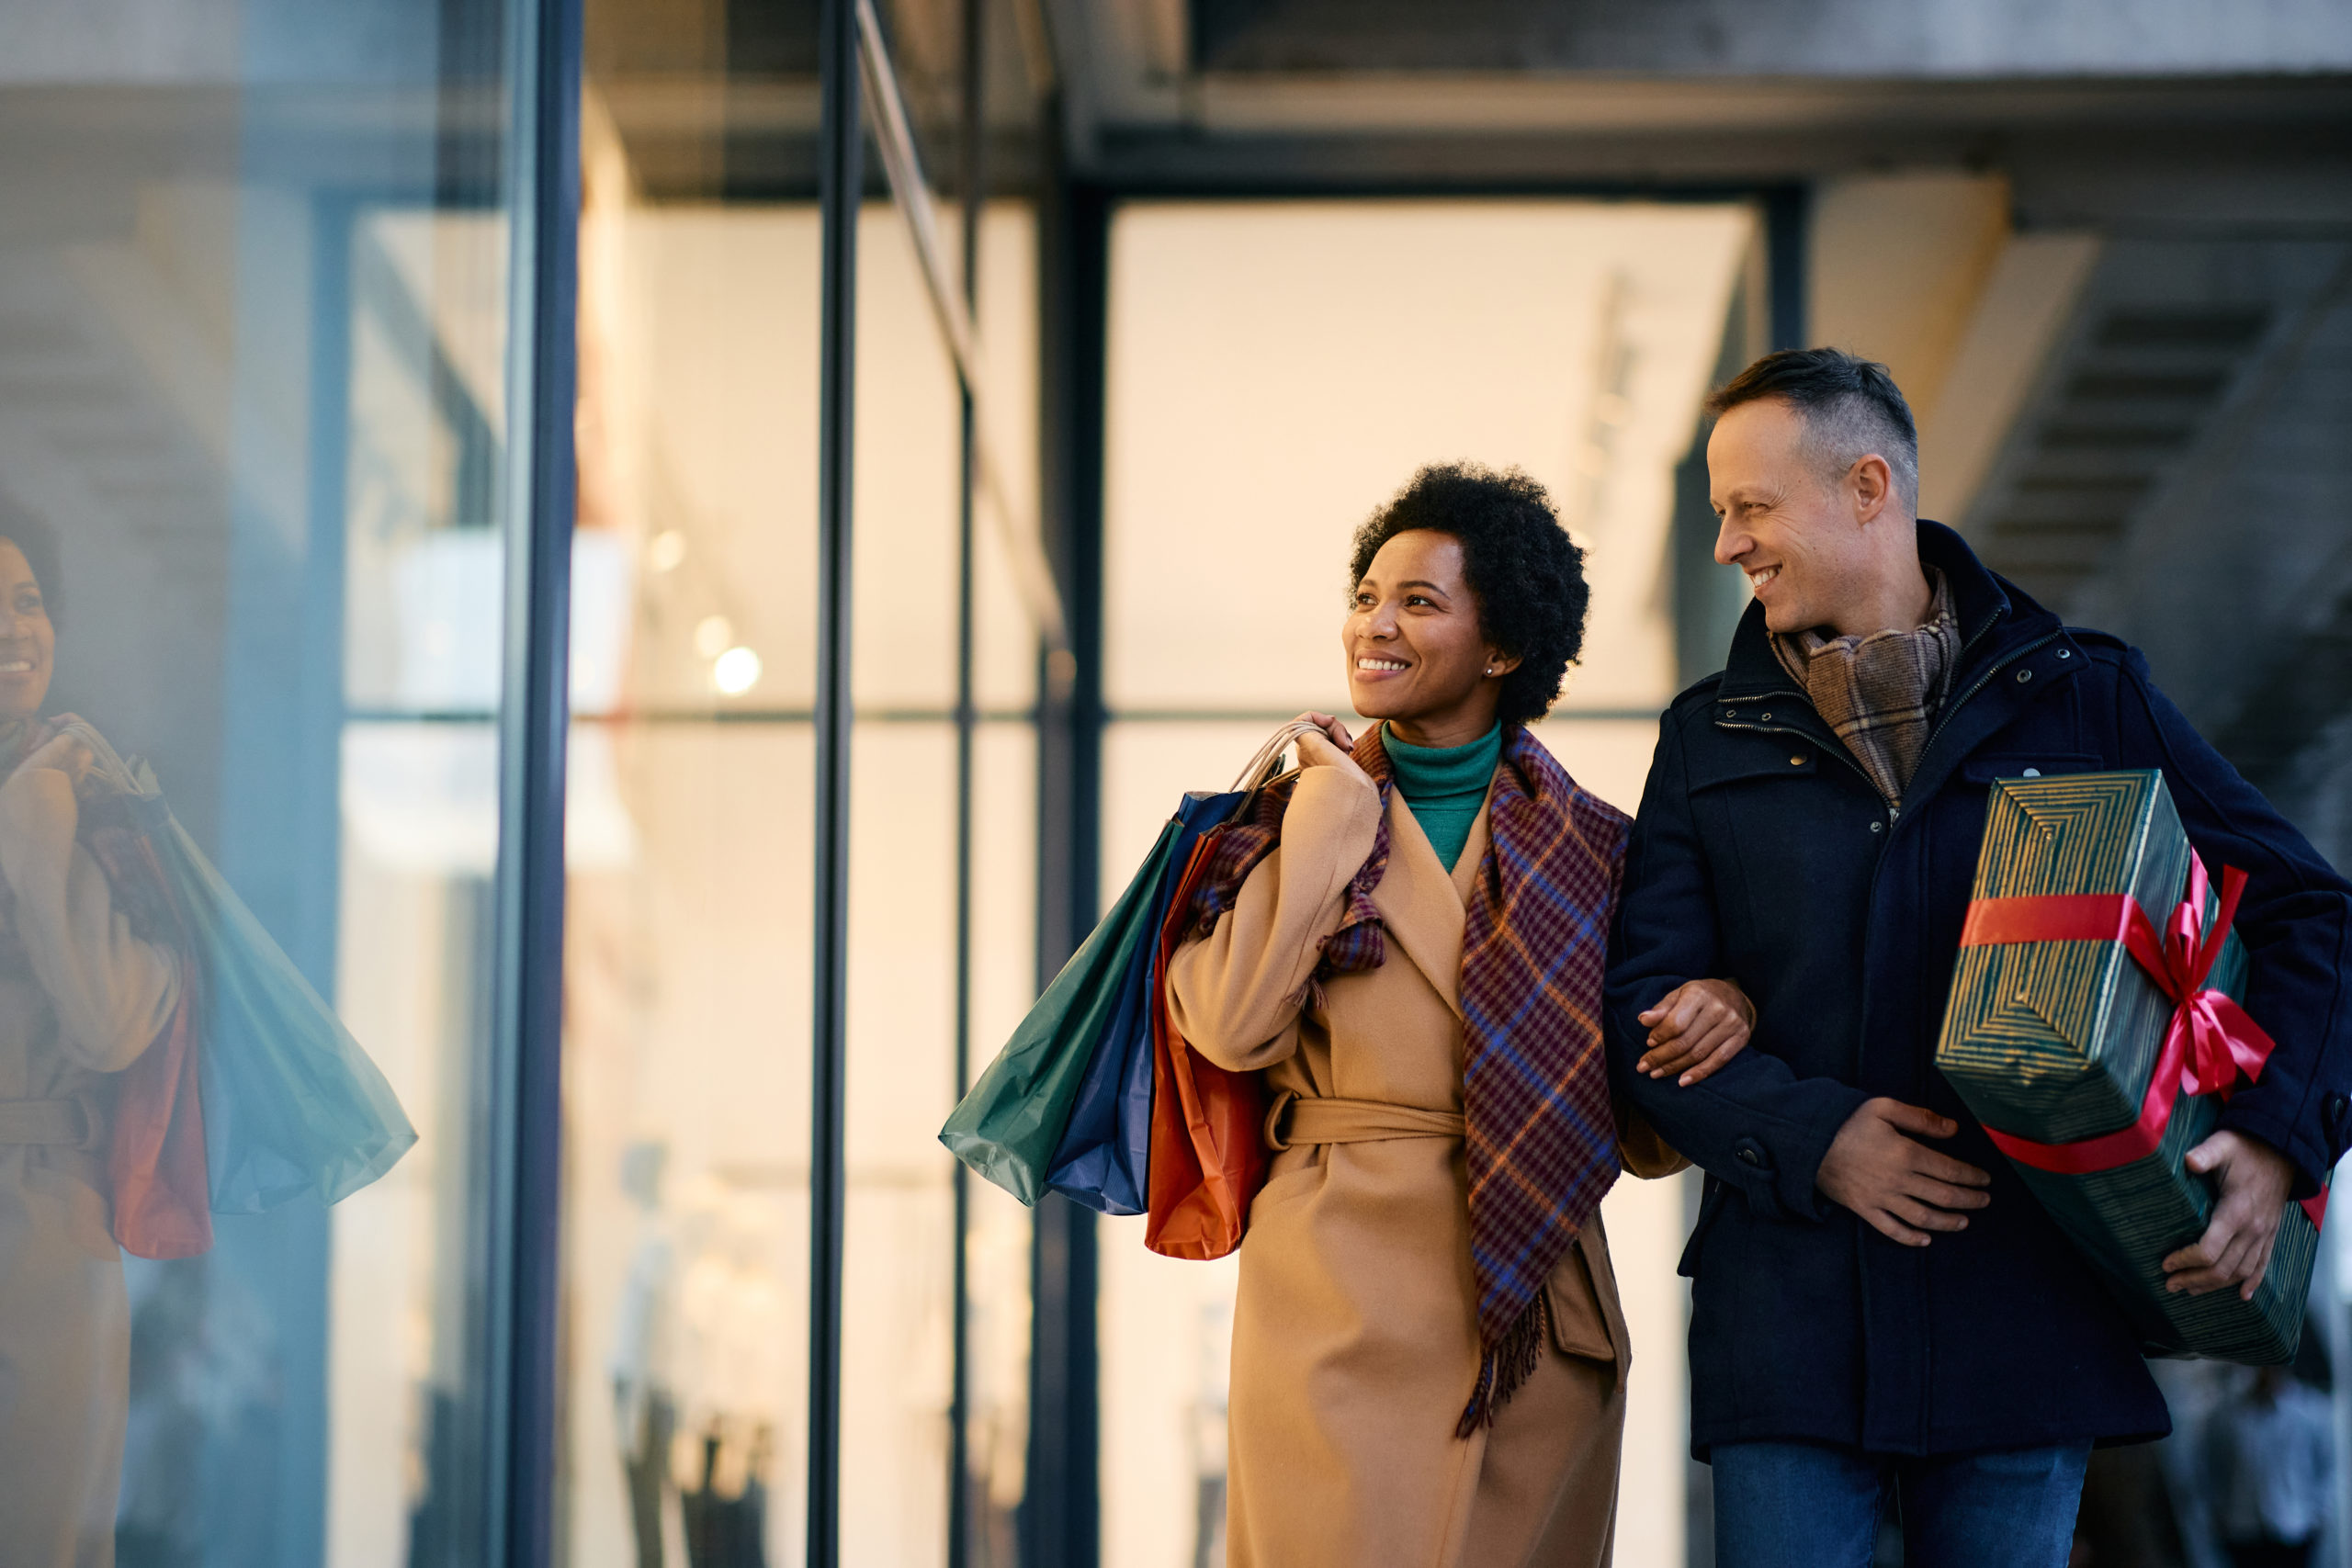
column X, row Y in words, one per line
column 1851, row 408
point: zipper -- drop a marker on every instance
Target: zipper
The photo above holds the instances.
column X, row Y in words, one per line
column 1982, row 682
column 1837, row 748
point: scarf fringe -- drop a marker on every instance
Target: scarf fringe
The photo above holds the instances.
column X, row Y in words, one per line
column 1506, row 1364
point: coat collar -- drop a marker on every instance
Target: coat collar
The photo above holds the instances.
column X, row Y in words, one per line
column 1994, row 613
column 1421, row 904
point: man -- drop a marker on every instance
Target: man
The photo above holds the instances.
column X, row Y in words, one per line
column 1881, row 1309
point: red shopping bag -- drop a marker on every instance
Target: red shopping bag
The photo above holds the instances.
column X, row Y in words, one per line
column 1208, row 1154
column 155, row 1166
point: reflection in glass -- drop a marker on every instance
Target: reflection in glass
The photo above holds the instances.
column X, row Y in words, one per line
column 252, row 347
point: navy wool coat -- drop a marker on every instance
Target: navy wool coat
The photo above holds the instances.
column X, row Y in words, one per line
column 1763, row 854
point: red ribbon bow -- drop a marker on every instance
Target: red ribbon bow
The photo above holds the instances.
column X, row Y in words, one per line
column 2211, row 1041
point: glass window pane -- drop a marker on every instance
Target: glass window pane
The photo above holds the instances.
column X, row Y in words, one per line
column 691, row 824
column 253, row 349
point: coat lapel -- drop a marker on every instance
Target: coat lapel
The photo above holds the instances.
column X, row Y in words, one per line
column 1418, row 903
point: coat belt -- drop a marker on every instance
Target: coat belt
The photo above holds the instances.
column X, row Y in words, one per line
column 66, row 1122
column 1294, row 1122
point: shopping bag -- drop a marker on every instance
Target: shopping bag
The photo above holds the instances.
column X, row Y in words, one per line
column 1099, row 1162
column 1208, row 1156
column 1102, row 1157
column 289, row 1103
column 1011, row 1123
column 1016, row 1125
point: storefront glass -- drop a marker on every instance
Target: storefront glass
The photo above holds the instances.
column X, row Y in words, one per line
column 255, row 342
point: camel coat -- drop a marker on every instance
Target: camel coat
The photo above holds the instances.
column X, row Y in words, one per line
column 80, row 998
column 1355, row 1339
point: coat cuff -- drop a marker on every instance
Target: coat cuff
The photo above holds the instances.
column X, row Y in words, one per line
column 2310, row 1158
column 1796, row 1185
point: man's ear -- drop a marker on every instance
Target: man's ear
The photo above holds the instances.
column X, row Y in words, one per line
column 1872, row 484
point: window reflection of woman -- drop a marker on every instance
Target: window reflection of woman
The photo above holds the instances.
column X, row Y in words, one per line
column 1424, row 1373
column 81, row 997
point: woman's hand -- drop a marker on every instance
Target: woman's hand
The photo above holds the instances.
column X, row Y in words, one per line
column 58, row 749
column 1695, row 1029
column 38, row 802
column 1328, row 745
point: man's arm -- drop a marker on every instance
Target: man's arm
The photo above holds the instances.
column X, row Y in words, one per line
column 1755, row 1124
column 2281, row 1136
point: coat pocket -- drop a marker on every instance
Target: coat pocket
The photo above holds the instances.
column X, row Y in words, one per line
column 1578, row 1327
column 1711, row 1204
column 1984, row 768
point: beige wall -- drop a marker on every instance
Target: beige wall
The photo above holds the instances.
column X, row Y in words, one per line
column 1922, row 272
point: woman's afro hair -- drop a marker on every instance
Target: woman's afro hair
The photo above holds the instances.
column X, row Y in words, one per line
column 1526, row 571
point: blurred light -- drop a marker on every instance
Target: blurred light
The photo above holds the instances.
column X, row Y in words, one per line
column 665, row 551
column 737, row 671
column 714, row 634
column 1613, row 408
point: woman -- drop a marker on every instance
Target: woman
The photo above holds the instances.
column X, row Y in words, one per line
column 81, row 997
column 1429, row 1358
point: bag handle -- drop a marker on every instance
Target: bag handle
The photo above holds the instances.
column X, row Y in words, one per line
column 1265, row 767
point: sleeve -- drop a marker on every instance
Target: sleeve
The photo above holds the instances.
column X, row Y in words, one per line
column 112, row 993
column 1755, row 1125
column 1236, row 992
column 2295, row 920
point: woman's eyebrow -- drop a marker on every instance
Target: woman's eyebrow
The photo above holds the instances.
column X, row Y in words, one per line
column 1424, row 582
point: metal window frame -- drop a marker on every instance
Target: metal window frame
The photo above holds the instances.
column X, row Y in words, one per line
column 841, row 189
column 1061, row 1515
column 542, row 187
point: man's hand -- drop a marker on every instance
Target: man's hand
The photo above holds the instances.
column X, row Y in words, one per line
column 1903, row 1188
column 1695, row 1029
column 2236, row 1248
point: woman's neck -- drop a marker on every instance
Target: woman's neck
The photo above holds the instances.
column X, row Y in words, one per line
column 1439, row 731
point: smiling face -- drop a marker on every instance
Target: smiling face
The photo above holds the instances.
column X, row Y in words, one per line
column 1813, row 544
column 1417, row 654
column 28, row 640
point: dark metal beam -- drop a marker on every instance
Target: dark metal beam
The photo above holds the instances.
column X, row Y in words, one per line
column 1060, row 1516
column 972, row 187
column 543, row 186
column 841, row 151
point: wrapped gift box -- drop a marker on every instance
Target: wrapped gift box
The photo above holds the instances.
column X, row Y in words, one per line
column 2071, row 1051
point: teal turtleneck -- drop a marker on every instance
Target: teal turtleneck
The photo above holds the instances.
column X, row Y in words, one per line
column 1445, row 786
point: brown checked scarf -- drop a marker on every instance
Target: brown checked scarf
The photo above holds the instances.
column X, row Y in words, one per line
column 1880, row 692
column 1542, row 1141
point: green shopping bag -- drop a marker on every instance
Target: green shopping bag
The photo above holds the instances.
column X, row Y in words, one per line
column 1009, row 1126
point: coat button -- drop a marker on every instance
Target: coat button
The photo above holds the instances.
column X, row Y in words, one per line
column 2065, row 653
column 1767, row 719
column 1878, row 827
column 1749, row 1156
column 2031, row 773
column 1797, row 761
column 2023, row 676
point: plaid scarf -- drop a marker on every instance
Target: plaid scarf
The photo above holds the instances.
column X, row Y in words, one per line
column 1880, row 692
column 1541, row 1138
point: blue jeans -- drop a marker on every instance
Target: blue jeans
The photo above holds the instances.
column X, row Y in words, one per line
column 1817, row 1506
